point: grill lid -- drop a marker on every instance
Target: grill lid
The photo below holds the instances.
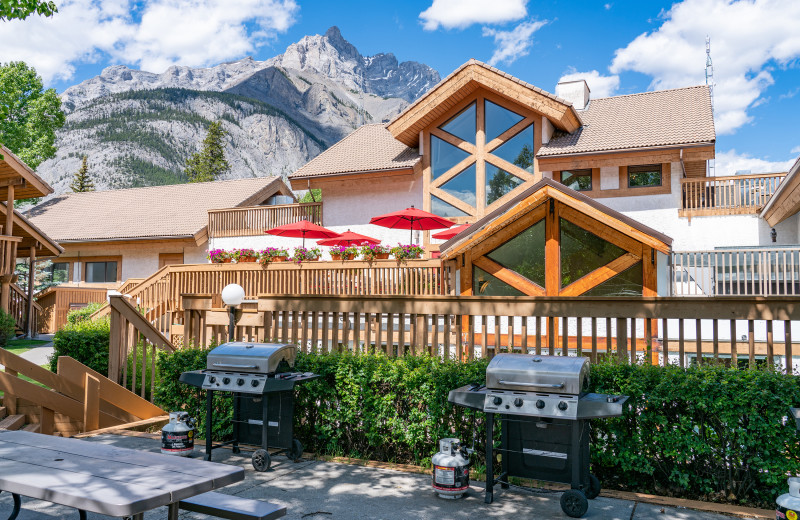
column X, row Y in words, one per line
column 261, row 358
column 536, row 373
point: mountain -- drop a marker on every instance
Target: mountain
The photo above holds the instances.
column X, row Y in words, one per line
column 137, row 128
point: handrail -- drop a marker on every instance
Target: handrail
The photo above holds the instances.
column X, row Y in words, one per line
column 729, row 195
column 18, row 308
column 689, row 180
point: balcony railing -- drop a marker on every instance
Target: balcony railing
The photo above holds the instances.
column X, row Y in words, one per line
column 734, row 195
column 253, row 221
column 736, row 272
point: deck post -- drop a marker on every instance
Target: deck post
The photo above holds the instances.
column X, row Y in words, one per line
column 31, row 281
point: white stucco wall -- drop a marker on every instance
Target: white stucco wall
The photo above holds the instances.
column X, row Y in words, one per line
column 350, row 204
column 139, row 260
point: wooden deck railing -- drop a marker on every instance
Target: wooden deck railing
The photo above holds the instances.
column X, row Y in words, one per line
column 18, row 308
column 8, row 254
column 132, row 348
column 74, row 399
column 129, row 284
column 159, row 296
column 744, row 272
column 732, row 195
column 651, row 330
column 253, row 221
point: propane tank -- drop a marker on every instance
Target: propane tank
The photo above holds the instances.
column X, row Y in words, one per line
column 789, row 504
column 177, row 436
column 451, row 469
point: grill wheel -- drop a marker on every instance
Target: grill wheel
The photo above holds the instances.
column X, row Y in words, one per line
column 261, row 460
column 574, row 503
column 594, row 487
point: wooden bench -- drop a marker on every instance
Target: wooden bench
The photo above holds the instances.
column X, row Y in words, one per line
column 231, row 507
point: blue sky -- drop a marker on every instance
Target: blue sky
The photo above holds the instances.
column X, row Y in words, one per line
column 619, row 47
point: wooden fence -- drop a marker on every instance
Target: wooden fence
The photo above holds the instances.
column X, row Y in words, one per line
column 159, row 296
column 732, row 195
column 745, row 272
column 654, row 330
column 253, row 221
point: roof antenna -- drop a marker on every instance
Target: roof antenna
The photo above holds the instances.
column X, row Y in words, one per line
column 710, row 84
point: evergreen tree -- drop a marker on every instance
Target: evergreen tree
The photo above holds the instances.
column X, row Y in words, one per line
column 209, row 162
column 81, row 181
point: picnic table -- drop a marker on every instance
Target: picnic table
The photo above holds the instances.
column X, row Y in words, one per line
column 100, row 478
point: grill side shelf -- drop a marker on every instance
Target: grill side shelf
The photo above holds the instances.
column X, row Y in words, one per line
column 596, row 406
column 193, row 378
column 468, row 396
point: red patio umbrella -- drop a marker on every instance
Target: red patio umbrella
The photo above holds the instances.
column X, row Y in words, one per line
column 450, row 233
column 302, row 230
column 411, row 218
column 348, row 238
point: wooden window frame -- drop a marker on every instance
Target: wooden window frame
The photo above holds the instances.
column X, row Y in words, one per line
column 85, row 260
column 643, row 167
column 590, row 173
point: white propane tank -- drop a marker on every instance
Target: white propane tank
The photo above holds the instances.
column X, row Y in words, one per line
column 450, row 469
column 177, row 436
column 789, row 504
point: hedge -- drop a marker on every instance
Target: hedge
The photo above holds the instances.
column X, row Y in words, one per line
column 86, row 341
column 705, row 432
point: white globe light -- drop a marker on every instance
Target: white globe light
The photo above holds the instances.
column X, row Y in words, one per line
column 233, row 294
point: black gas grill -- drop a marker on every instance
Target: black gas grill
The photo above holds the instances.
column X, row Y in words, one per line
column 543, row 408
column 255, row 375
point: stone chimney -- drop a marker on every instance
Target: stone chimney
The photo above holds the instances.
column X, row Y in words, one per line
column 574, row 91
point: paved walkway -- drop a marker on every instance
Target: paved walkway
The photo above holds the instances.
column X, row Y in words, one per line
column 314, row 490
column 40, row 354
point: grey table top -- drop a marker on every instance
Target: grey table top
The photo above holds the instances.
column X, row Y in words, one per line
column 103, row 479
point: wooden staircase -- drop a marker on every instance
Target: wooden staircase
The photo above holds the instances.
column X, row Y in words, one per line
column 74, row 400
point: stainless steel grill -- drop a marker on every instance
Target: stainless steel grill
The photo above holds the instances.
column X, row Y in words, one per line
column 255, row 375
column 543, row 406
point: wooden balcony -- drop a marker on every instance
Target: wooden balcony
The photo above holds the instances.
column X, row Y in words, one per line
column 253, row 221
column 733, row 195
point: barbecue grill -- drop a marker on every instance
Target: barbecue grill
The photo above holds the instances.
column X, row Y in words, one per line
column 543, row 408
column 255, row 375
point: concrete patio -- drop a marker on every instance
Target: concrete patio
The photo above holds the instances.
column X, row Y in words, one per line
column 316, row 490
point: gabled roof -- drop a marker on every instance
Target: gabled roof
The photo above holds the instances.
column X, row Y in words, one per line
column 785, row 201
column 538, row 194
column 176, row 211
column 369, row 148
column 27, row 184
column 465, row 80
column 674, row 117
column 32, row 236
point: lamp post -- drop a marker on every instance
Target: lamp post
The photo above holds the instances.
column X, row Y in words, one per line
column 232, row 296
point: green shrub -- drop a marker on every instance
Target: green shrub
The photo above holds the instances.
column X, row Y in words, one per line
column 8, row 328
column 76, row 315
column 86, row 341
column 706, row 432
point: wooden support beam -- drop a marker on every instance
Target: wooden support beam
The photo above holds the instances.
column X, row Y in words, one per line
column 600, row 275
column 508, row 276
column 91, row 403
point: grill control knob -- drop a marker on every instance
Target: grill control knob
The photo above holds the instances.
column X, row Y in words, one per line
column 562, row 406
column 226, row 380
column 240, row 381
column 212, row 379
column 517, row 402
column 498, row 401
column 539, row 404
column 254, row 382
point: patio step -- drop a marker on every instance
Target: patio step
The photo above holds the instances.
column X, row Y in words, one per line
column 34, row 428
column 2, row 412
column 12, row 422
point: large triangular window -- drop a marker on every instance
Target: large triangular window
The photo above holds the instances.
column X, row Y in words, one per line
column 524, row 254
column 462, row 125
column 626, row 283
column 582, row 252
column 462, row 186
column 498, row 120
column 498, row 183
column 518, row 150
column 443, row 209
column 444, row 156
column 487, row 285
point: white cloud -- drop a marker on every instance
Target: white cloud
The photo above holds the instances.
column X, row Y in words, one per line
column 600, row 86
column 748, row 37
column 728, row 163
column 186, row 32
column 796, row 149
column 460, row 14
column 513, row 44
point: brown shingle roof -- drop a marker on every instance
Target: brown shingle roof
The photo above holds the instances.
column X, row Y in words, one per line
column 179, row 210
column 369, row 148
column 651, row 119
